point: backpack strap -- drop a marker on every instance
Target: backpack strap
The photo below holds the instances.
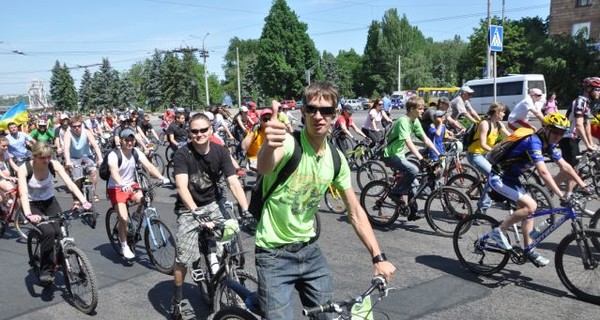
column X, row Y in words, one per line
column 289, row 167
column 29, row 168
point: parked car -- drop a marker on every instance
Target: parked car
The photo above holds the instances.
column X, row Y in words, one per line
column 366, row 105
column 299, row 103
column 397, row 100
column 355, row 104
column 290, row 103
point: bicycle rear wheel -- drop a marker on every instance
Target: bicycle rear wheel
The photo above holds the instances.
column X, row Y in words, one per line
column 380, row 209
column 469, row 184
column 158, row 161
column 91, row 218
column 474, row 248
column 227, row 297
column 577, row 263
column 80, row 279
column 334, row 200
column 160, row 246
column 445, row 207
column 370, row 171
column 234, row 313
column 170, row 172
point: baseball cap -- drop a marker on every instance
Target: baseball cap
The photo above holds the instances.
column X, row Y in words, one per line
column 210, row 115
column 64, row 116
column 42, row 122
column 266, row 111
column 466, row 89
column 243, row 109
column 126, row 133
column 439, row 113
column 444, row 100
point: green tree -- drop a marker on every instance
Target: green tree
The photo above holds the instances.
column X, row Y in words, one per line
column 171, row 72
column 105, row 86
column 126, row 95
column 85, row 90
column 153, row 84
column 248, row 77
column 190, row 81
column 285, row 52
column 349, row 69
column 62, row 88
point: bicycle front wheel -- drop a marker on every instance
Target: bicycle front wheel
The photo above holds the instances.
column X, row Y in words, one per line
column 158, row 162
column 34, row 248
column 577, row 263
column 227, row 297
column 474, row 248
column 234, row 313
column 469, row 184
column 80, row 279
column 370, row 171
column 380, row 209
column 445, row 207
column 160, row 246
column 334, row 201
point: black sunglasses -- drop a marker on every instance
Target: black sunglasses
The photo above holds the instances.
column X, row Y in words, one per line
column 325, row 111
column 196, row 131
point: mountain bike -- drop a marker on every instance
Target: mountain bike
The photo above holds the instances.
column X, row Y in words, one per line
column 156, row 159
column 444, row 206
column 78, row 274
column 158, row 239
column 87, row 188
column 359, row 307
column 14, row 213
column 577, row 257
column 333, row 199
column 370, row 171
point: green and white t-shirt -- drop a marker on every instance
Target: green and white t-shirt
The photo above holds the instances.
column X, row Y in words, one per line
column 288, row 213
column 402, row 130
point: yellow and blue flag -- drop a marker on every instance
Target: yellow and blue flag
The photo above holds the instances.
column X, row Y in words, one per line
column 17, row 114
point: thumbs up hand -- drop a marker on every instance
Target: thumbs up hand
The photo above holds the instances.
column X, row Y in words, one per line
column 274, row 129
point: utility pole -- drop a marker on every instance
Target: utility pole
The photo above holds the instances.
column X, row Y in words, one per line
column 204, row 55
column 239, row 83
column 489, row 51
column 399, row 73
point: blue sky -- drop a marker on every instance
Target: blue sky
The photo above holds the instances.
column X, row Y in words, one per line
column 79, row 32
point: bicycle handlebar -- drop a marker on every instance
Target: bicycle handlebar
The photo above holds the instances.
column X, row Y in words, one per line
column 378, row 283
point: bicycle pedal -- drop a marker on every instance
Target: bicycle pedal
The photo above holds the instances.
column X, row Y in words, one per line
column 198, row 275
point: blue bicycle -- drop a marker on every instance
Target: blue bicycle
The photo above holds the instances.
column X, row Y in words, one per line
column 577, row 257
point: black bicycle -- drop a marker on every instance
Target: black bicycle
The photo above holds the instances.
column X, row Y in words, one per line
column 79, row 277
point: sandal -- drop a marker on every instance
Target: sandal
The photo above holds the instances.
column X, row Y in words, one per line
column 96, row 199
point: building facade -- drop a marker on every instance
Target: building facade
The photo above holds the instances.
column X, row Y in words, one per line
column 570, row 17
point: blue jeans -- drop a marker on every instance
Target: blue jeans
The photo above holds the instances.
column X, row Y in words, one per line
column 409, row 171
column 480, row 162
column 280, row 271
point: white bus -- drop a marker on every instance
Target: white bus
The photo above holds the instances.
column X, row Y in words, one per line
column 510, row 90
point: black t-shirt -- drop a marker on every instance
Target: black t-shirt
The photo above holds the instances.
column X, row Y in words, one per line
column 146, row 128
column 179, row 131
column 201, row 184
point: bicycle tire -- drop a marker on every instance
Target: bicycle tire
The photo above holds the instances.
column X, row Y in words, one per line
column 571, row 269
column 381, row 210
column 472, row 251
column 334, row 202
column 226, row 297
column 469, row 184
column 594, row 225
column 158, row 162
column 33, row 251
column 145, row 183
column 80, row 279
column 91, row 219
column 237, row 253
column 112, row 231
column 206, row 290
column 540, row 195
column 234, row 313
column 161, row 248
column 445, row 207
column 465, row 168
column 169, row 172
column 370, row 171
column 3, row 226
column 22, row 228
column 169, row 153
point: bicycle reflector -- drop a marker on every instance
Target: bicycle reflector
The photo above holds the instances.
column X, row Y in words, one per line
column 230, row 227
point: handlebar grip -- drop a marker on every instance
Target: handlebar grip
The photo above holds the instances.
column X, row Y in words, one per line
column 318, row 309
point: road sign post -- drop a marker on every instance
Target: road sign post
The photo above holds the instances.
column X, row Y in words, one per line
column 496, row 45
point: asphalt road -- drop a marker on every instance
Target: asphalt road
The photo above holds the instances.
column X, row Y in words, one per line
column 429, row 283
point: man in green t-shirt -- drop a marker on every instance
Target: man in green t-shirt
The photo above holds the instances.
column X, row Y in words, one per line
column 398, row 140
column 286, row 255
column 42, row 134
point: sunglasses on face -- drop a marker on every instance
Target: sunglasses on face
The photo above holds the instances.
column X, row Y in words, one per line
column 324, row 111
column 75, row 126
column 266, row 119
column 597, row 89
column 196, row 131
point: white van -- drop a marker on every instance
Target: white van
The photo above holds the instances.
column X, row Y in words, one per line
column 510, row 90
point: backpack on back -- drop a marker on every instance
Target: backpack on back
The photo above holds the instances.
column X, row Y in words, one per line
column 469, row 136
column 257, row 199
column 498, row 153
column 104, row 170
column 29, row 169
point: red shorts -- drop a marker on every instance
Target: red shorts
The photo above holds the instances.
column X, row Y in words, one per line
column 595, row 131
column 117, row 195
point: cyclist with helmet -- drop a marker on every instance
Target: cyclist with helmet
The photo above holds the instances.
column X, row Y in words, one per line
column 42, row 134
column 526, row 153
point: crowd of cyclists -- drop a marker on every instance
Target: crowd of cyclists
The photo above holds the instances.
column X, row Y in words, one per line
column 73, row 145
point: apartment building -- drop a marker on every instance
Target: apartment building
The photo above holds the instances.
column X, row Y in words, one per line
column 573, row 16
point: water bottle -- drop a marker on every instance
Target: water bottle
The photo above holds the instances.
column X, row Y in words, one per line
column 213, row 262
column 539, row 229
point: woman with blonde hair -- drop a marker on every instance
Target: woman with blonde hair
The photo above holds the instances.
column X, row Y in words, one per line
column 36, row 188
column 484, row 140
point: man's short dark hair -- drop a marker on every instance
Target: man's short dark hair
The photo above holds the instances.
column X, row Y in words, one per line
column 318, row 89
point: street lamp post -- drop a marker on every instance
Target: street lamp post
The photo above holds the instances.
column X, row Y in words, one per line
column 204, row 54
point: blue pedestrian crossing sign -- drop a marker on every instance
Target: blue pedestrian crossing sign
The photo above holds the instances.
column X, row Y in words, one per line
column 496, row 38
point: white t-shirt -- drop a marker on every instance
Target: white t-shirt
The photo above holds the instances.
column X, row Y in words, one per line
column 373, row 114
column 127, row 168
column 522, row 110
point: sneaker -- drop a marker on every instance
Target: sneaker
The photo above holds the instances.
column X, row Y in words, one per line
column 46, row 277
column 176, row 310
column 498, row 236
column 127, row 254
column 537, row 259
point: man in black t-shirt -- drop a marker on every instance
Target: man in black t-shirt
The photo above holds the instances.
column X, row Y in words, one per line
column 177, row 132
column 197, row 169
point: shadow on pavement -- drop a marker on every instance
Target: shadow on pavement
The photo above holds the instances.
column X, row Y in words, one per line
column 161, row 294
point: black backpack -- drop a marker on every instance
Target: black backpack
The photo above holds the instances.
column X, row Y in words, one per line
column 257, row 199
column 104, row 171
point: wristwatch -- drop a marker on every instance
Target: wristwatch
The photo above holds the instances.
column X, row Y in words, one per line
column 379, row 258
